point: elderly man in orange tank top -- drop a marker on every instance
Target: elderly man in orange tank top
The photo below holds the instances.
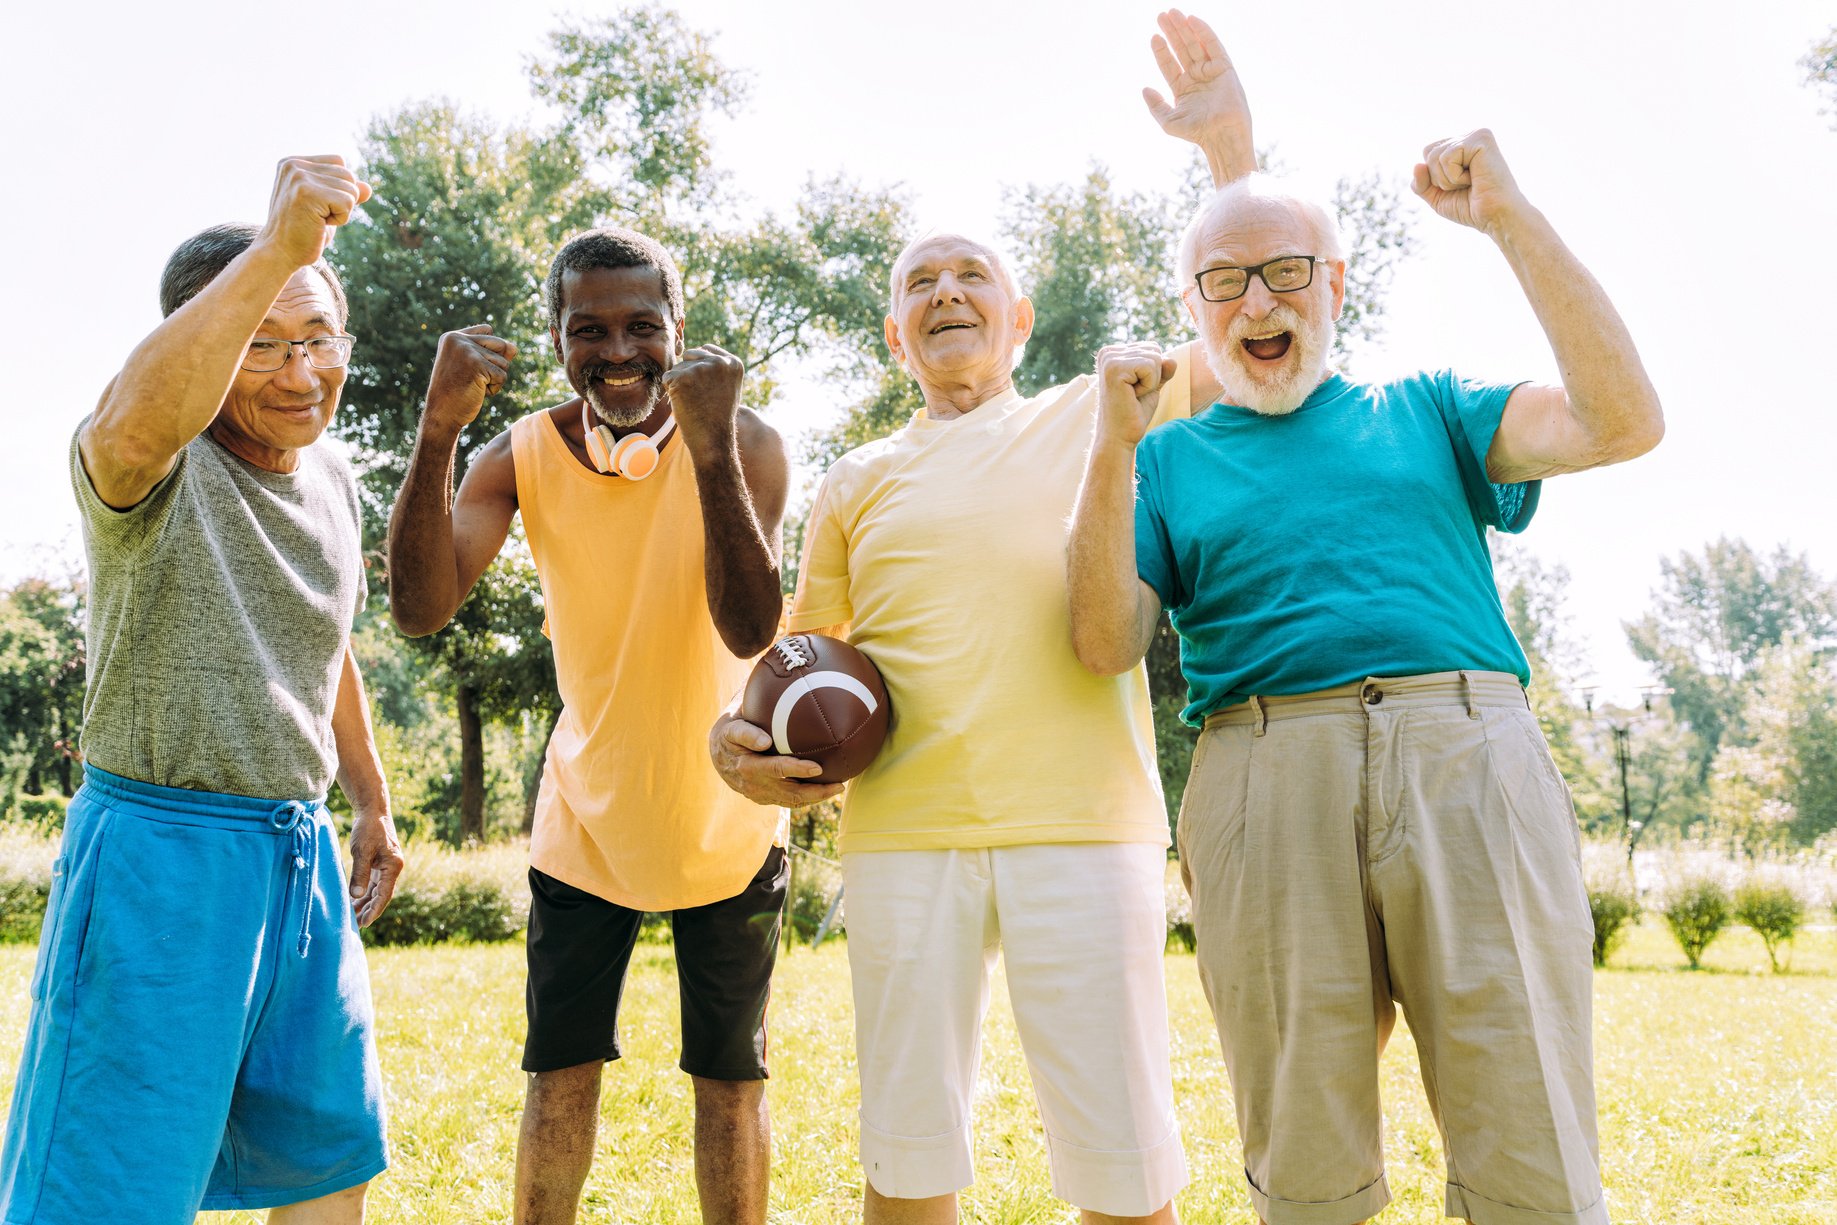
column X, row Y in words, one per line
column 652, row 503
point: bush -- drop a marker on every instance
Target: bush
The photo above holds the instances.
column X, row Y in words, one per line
column 25, row 883
column 1180, row 934
column 1614, row 905
column 1696, row 911
column 44, row 813
column 1774, row 911
column 475, row 895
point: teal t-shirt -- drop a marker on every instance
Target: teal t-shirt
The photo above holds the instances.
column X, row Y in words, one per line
column 1344, row 540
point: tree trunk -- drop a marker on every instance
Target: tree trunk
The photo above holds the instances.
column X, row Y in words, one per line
column 471, row 768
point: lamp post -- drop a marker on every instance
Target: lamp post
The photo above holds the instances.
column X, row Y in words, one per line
column 1621, row 727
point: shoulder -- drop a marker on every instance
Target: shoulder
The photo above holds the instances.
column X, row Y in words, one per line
column 756, row 437
column 494, row 468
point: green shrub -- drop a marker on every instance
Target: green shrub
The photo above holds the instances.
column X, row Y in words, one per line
column 1613, row 903
column 1180, row 933
column 475, row 895
column 1696, row 911
column 41, row 812
column 25, row 883
column 1775, row 912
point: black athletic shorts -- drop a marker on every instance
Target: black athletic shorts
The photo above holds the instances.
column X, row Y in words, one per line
column 579, row 947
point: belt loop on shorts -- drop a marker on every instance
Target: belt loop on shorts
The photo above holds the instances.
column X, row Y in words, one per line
column 1262, row 712
column 292, row 818
column 1473, row 711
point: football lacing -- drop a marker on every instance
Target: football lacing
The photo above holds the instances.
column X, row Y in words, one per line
column 792, row 652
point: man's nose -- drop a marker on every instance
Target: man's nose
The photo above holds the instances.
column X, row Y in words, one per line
column 948, row 289
column 298, row 374
column 1258, row 300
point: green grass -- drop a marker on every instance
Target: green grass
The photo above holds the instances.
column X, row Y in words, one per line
column 1718, row 1093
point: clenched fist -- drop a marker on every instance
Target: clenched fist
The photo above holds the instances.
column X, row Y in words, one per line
column 1129, row 379
column 312, row 196
column 1466, row 180
column 704, row 391
column 469, row 365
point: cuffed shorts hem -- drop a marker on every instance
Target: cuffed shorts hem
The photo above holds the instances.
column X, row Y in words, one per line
column 748, row 1072
column 1118, row 1183
column 277, row 1197
column 551, row 1062
column 1361, row 1205
column 1482, row 1211
column 916, row 1167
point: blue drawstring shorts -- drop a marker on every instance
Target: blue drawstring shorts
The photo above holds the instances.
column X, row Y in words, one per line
column 201, row 1032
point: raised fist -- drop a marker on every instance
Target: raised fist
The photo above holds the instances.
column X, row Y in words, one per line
column 704, row 391
column 1466, row 180
column 1129, row 379
column 469, row 365
column 312, row 195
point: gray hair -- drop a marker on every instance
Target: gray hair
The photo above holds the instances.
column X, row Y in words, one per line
column 1253, row 192
column 998, row 265
column 613, row 247
column 199, row 259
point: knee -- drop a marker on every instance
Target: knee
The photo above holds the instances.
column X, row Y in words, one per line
column 728, row 1096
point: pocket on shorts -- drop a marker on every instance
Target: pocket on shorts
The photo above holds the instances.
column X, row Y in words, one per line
column 1212, row 810
column 60, row 937
column 1536, row 794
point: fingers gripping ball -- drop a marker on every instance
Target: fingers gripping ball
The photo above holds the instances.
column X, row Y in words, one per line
column 820, row 699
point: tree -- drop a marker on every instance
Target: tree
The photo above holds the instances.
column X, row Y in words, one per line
column 1820, row 64
column 1714, row 617
column 1779, row 786
column 42, row 662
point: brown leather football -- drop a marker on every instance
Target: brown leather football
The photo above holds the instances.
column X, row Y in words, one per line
column 819, row 699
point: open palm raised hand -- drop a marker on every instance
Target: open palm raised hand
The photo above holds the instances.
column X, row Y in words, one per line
column 1207, row 94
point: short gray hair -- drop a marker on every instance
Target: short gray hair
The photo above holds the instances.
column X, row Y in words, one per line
column 1255, row 191
column 200, row 258
column 999, row 265
column 613, row 247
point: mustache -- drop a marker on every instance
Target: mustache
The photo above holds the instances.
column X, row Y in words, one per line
column 643, row 365
column 1281, row 317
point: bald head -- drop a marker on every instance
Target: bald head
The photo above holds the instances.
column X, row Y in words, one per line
column 929, row 245
column 1259, row 200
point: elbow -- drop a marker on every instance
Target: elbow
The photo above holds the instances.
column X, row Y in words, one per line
column 414, row 622
column 1099, row 656
column 749, row 641
column 1644, row 431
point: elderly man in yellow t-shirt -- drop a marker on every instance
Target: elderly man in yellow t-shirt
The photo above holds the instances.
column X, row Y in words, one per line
column 1016, row 805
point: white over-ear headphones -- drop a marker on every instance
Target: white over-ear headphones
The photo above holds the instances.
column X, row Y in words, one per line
column 633, row 457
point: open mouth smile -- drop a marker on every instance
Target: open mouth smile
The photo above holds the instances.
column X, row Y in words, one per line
column 951, row 325
column 1272, row 348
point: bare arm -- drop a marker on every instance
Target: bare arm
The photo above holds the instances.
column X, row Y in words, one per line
column 1113, row 611
column 376, row 855
column 1606, row 411
column 175, row 380
column 439, row 544
column 741, row 479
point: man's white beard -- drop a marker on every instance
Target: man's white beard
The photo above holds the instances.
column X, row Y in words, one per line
column 1264, row 391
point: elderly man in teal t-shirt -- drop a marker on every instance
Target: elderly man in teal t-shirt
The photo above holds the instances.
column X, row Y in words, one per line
column 1373, row 818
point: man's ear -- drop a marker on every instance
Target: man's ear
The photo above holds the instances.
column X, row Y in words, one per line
column 555, row 342
column 891, row 330
column 1186, row 300
column 1337, row 271
column 1023, row 321
column 680, row 323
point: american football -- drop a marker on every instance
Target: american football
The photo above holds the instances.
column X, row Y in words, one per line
column 820, row 699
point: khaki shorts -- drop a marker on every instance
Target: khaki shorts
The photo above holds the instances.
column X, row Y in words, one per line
column 1405, row 840
column 1082, row 928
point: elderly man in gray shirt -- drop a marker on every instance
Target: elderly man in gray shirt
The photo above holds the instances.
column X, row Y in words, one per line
column 201, row 1033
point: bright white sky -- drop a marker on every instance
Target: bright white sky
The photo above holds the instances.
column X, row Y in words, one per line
column 1672, row 144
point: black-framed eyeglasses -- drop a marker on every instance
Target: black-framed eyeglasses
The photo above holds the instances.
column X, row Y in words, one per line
column 266, row 355
column 1284, row 274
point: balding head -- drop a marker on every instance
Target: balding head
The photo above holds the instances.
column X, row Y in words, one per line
column 956, row 321
column 1257, row 198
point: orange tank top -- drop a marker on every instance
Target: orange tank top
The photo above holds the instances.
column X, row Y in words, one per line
column 630, row 808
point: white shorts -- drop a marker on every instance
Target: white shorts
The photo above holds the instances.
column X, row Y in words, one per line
column 1082, row 928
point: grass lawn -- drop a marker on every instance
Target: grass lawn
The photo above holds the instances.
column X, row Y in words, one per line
column 1718, row 1093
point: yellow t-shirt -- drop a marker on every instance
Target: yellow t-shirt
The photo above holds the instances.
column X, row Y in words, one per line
column 630, row 808
column 943, row 546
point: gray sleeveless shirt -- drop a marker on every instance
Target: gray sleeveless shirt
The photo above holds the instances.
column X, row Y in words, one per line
column 219, row 612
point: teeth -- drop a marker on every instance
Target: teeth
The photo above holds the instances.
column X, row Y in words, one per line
column 624, row 382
